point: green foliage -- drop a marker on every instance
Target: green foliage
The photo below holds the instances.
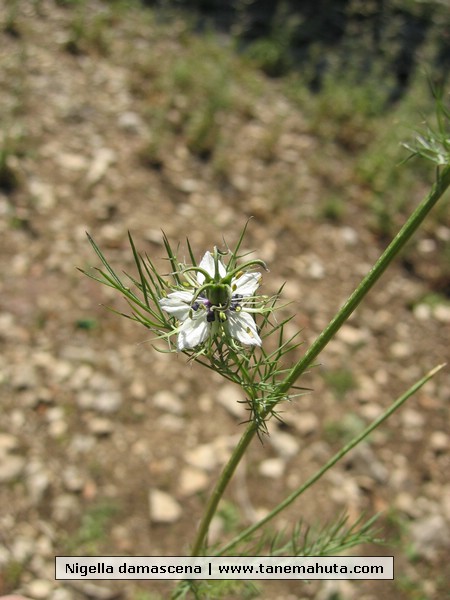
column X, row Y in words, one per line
column 343, row 430
column 93, row 530
column 340, row 381
column 219, row 589
column 230, row 516
column 12, row 573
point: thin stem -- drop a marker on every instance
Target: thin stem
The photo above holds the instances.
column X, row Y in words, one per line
column 336, row 458
column 221, row 485
column 399, row 241
column 405, row 233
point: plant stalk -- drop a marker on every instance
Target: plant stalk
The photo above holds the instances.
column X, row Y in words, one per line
column 333, row 460
column 397, row 244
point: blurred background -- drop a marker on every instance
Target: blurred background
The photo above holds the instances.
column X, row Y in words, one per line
column 190, row 117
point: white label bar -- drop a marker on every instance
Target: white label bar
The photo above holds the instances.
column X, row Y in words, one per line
column 227, row 567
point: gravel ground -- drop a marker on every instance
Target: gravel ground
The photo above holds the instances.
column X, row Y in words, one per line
column 108, row 447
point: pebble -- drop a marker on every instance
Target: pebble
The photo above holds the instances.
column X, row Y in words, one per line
column 73, row 479
column 11, row 467
column 8, row 442
column 43, row 194
column 231, row 398
column 192, row 481
column 131, row 122
column 315, row 269
column 422, row 312
column 412, row 419
column 202, row 457
column 429, row 535
column 306, row 423
column 284, row 443
column 169, row 402
column 37, row 480
column 71, row 162
column 57, row 429
column 100, row 163
column 163, row 507
column 273, row 468
column 100, row 427
column 61, row 594
column 64, row 507
column 106, row 402
column 442, row 313
column 439, row 441
column 349, row 235
column 39, row 588
column 400, row 350
column 353, row 336
column 23, row 547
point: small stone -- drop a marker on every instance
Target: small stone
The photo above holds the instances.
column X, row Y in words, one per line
column 442, row 313
column 439, row 441
column 24, row 377
column 107, row 402
column 39, row 588
column 353, row 336
column 5, row 556
column 284, row 443
column 349, row 235
column 407, row 504
column 171, row 423
column 100, row 163
column 57, row 429
column 306, row 423
column 192, row 481
column 412, row 419
column 73, row 479
column 131, row 122
column 37, row 480
column 8, row 442
column 43, row 195
column 81, row 444
column 11, row 467
column 232, row 399
column 100, row 427
column 422, row 312
column 400, row 350
column 163, row 507
column 202, row 457
column 316, row 270
column 64, row 507
column 61, row 594
column 168, row 401
column 272, row 468
column 22, row 548
column 71, row 162
column 429, row 535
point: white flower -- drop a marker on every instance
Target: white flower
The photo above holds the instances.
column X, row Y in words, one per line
column 215, row 304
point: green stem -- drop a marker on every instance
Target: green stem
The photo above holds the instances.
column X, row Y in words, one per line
column 405, row 233
column 402, row 237
column 336, row 458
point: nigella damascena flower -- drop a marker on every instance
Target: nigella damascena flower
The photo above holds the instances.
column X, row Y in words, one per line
column 215, row 303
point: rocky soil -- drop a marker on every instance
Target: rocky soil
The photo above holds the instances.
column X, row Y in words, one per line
column 108, row 447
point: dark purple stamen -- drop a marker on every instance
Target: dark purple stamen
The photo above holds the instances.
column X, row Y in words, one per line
column 235, row 301
column 210, row 317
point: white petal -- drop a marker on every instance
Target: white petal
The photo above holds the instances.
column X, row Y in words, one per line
column 177, row 304
column 242, row 327
column 192, row 333
column 246, row 284
column 207, row 264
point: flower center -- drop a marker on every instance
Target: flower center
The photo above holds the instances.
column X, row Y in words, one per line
column 217, row 299
column 219, row 295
